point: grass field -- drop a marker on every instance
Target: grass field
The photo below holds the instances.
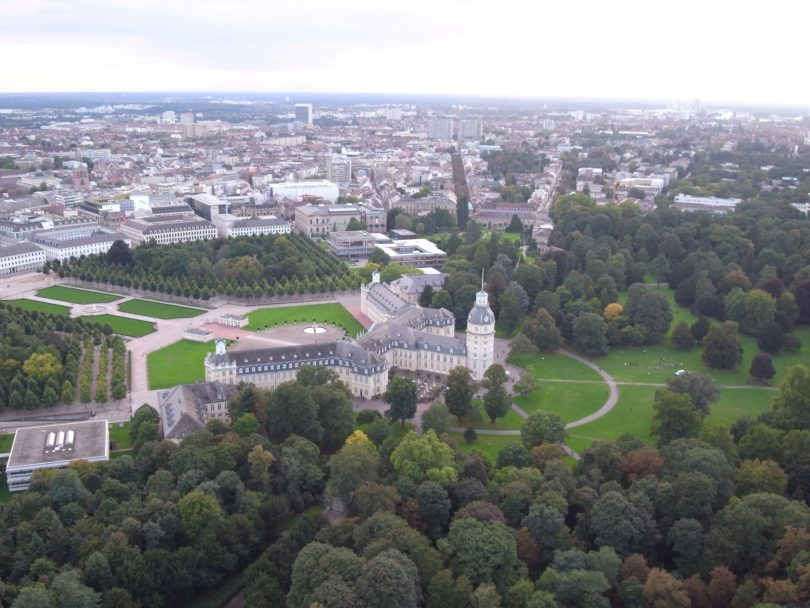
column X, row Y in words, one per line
column 569, row 400
column 159, row 310
column 512, row 420
column 77, row 296
column 178, row 363
column 487, row 445
column 122, row 325
column 119, row 434
column 38, row 306
column 5, row 442
column 333, row 314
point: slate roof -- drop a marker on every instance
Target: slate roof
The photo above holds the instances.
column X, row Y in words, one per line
column 182, row 407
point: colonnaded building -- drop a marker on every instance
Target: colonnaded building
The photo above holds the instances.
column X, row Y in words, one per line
column 404, row 335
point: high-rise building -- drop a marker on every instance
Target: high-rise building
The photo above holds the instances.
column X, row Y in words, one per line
column 440, row 128
column 339, row 170
column 169, row 117
column 470, row 129
column 303, row 113
column 186, row 118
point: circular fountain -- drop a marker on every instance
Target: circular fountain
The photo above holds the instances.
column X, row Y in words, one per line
column 314, row 329
column 94, row 309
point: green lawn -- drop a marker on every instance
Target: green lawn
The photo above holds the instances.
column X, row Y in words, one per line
column 77, row 296
column 159, row 310
column 119, row 434
column 569, row 400
column 512, row 420
column 333, row 314
column 38, row 306
column 487, row 445
column 5, row 442
column 632, row 414
column 558, row 367
column 122, row 325
column 178, row 363
column 657, row 363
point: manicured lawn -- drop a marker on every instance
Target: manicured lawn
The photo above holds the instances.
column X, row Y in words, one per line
column 333, row 314
column 122, row 325
column 5, row 442
column 487, row 445
column 178, row 363
column 558, row 367
column 38, row 306
column 657, row 363
column 77, row 296
column 632, row 414
column 569, row 400
column 119, row 434
column 159, row 310
column 512, row 420
column 738, row 403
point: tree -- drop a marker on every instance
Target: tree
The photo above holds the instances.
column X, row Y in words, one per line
column 515, row 225
column 589, row 335
column 444, row 591
column 722, row 348
column 198, row 511
column 119, row 254
column 42, row 366
column 401, row 396
column 379, row 257
column 436, row 417
column 675, row 417
column 700, row 388
column 426, row 297
column 543, row 332
column 246, row 425
column 352, row 467
column 762, row 368
column 484, row 551
column 496, row 402
column 510, row 311
column 700, row 328
column 462, row 213
column 356, row 224
column 144, row 425
column 291, row 410
column 650, row 310
column 434, row 507
column 791, row 408
column 662, row 590
column 527, row 382
column 542, row 427
column 760, row 476
column 682, row 337
column 459, row 392
column 420, row 457
column 771, row 339
column 618, row 523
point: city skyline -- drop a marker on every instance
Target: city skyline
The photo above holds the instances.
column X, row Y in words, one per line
column 619, row 51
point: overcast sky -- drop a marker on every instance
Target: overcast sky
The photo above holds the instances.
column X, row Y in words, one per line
column 714, row 50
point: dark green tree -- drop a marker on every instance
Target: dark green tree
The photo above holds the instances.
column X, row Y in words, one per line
column 401, row 396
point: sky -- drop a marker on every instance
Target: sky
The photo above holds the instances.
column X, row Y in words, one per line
column 713, row 50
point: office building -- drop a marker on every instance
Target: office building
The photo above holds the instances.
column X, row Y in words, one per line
column 186, row 118
column 22, row 257
column 440, row 128
column 414, row 252
column 55, row 446
column 207, row 206
column 470, row 129
column 303, row 113
column 168, row 117
column 164, row 229
column 320, row 188
column 712, row 204
column 339, row 170
column 186, row 408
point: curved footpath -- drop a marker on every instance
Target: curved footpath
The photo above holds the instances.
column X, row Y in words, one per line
column 609, row 404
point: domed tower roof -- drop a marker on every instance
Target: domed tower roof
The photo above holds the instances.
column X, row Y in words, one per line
column 481, row 313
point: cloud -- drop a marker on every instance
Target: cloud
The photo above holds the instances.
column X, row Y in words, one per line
column 627, row 48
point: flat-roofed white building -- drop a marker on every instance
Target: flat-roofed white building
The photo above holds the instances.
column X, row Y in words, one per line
column 23, row 257
column 63, row 245
column 328, row 191
column 169, row 228
column 414, row 252
column 55, row 446
column 230, row 225
column 712, row 204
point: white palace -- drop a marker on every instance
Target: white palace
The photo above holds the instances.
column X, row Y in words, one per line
column 404, row 335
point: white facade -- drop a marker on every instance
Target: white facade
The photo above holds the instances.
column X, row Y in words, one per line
column 21, row 258
column 480, row 336
column 168, row 229
column 65, row 248
column 322, row 188
column 339, row 170
column 440, row 128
